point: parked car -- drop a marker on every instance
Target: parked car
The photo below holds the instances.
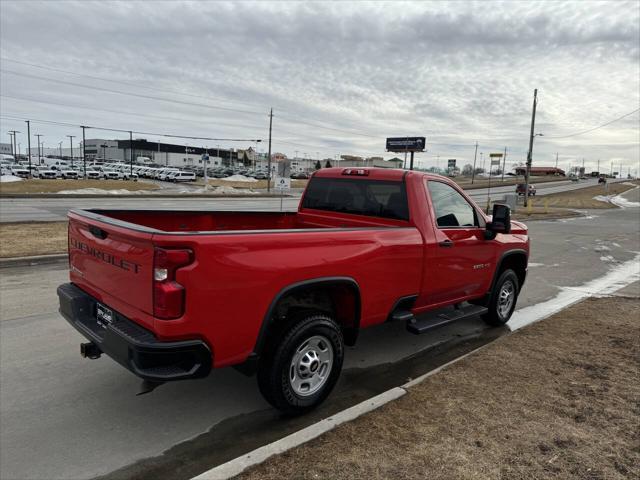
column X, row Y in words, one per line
column 602, row 180
column 300, row 175
column 43, row 172
column 19, row 172
column 92, row 174
column 127, row 175
column 165, row 294
column 521, row 188
column 111, row 175
column 67, row 174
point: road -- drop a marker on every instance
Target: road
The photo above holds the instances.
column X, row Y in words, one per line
column 66, row 417
column 52, row 209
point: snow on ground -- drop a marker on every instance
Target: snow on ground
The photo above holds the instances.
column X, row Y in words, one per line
column 100, row 191
column 602, row 248
column 619, row 200
column 9, row 179
column 239, row 178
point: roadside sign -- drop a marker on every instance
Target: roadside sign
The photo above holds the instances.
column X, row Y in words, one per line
column 451, row 163
column 406, row 144
column 282, row 183
column 495, row 162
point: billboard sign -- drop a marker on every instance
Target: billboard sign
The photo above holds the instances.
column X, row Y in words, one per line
column 451, row 163
column 406, row 144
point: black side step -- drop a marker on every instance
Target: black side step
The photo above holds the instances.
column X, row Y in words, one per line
column 402, row 315
column 439, row 318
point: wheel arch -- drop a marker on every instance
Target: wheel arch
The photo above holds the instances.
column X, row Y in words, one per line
column 516, row 260
column 343, row 292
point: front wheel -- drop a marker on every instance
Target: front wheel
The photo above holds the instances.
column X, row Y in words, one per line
column 503, row 299
column 302, row 365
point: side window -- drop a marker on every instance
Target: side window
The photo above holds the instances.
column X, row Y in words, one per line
column 452, row 210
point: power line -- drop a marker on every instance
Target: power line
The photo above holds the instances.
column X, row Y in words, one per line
column 168, row 135
column 133, row 84
column 140, row 95
column 599, row 126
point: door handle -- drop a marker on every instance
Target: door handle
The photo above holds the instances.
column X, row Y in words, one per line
column 446, row 243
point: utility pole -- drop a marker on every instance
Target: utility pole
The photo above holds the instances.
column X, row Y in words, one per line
column 130, row 153
column 556, row 160
column 475, row 156
column 29, row 144
column 84, row 151
column 530, row 153
column 269, row 152
column 71, row 137
column 598, row 167
column 12, row 134
column 60, row 149
column 39, row 157
column 411, row 165
column 504, row 163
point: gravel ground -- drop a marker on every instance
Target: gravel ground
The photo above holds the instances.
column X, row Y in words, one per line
column 22, row 239
column 558, row 399
column 53, row 186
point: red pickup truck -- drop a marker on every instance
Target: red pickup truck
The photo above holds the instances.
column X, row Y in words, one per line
column 172, row 294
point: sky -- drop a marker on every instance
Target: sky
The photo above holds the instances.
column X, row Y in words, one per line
column 340, row 76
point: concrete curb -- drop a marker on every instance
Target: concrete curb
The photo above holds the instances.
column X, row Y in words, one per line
column 32, row 261
column 238, row 465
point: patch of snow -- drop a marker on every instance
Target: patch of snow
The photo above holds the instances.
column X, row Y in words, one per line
column 602, row 198
column 618, row 277
column 9, row 179
column 533, row 264
column 616, row 244
column 100, row 191
column 622, row 202
column 602, row 248
column 607, row 258
column 239, row 178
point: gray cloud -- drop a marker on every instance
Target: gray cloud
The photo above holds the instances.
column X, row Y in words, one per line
column 455, row 72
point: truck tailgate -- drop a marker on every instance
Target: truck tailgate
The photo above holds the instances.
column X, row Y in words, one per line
column 113, row 263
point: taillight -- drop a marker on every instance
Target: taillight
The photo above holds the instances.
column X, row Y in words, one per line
column 168, row 295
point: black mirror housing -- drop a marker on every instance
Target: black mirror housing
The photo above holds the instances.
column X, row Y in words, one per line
column 501, row 221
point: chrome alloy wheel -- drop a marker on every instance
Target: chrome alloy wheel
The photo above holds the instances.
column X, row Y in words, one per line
column 311, row 365
column 506, row 297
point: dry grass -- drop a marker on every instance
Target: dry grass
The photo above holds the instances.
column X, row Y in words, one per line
column 53, row 186
column 582, row 198
column 558, row 399
column 541, row 213
column 465, row 182
column 23, row 239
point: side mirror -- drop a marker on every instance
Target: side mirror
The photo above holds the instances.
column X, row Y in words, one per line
column 501, row 221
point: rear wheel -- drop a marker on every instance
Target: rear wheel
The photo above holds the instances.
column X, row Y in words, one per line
column 503, row 299
column 302, row 364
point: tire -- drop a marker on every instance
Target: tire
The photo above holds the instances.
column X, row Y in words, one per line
column 296, row 359
column 500, row 307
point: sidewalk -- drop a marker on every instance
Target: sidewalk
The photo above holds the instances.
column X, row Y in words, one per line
column 558, row 399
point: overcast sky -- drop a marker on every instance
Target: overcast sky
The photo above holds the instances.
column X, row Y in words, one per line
column 340, row 76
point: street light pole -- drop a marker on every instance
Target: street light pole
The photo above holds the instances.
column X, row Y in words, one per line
column 475, row 156
column 60, row 149
column 29, row 143
column 530, row 153
column 39, row 157
column 71, row 137
column 84, row 151
column 11, row 143
column 269, row 152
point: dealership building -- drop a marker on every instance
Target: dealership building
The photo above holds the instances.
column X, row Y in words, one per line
column 165, row 153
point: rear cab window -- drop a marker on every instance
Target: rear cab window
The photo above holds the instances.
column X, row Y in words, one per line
column 374, row 198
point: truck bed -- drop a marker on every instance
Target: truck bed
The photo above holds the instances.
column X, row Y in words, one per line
column 167, row 221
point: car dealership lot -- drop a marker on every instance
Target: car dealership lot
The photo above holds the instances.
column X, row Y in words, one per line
column 84, row 419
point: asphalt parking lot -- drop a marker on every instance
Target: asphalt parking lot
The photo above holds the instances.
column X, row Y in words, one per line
column 84, row 420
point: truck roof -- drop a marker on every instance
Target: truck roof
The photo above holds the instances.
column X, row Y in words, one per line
column 391, row 174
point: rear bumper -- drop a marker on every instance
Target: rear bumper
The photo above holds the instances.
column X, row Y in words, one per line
column 132, row 346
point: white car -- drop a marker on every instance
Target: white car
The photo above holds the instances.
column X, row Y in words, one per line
column 92, row 174
column 45, row 173
column 111, row 175
column 67, row 174
column 184, row 177
column 19, row 172
column 129, row 176
column 165, row 175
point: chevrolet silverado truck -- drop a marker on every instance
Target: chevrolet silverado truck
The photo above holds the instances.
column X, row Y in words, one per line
column 172, row 294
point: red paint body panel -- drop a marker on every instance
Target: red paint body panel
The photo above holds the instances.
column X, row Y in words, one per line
column 242, row 260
